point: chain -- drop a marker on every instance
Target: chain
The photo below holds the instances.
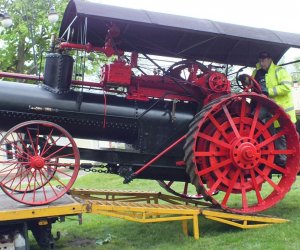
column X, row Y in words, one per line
column 96, row 169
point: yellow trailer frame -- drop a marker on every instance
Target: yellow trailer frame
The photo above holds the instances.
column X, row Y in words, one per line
column 144, row 207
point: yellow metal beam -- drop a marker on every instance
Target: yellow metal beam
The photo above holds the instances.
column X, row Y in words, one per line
column 41, row 212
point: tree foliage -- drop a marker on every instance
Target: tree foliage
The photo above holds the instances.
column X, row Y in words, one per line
column 24, row 43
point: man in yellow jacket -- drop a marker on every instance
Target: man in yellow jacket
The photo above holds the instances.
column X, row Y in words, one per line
column 276, row 83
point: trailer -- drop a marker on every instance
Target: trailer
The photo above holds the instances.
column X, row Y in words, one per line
column 17, row 219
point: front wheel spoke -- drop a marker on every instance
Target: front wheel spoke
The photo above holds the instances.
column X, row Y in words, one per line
column 16, row 154
column 22, row 142
column 61, row 156
column 60, row 149
column 55, row 169
column 16, row 176
column 52, row 145
column 214, row 167
column 49, row 136
column 31, row 141
column 43, row 185
column 59, row 164
column 266, row 178
column 49, row 183
column 26, row 189
column 58, row 180
column 230, row 187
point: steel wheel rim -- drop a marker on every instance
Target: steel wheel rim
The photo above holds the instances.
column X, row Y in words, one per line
column 36, row 170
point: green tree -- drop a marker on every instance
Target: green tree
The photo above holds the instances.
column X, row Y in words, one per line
column 24, row 43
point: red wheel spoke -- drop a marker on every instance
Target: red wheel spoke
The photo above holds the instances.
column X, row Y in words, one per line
column 255, row 119
column 278, row 152
column 229, row 118
column 218, row 126
column 46, row 143
column 256, row 188
column 23, row 144
column 214, row 140
column 53, row 144
column 231, row 184
column 243, row 115
column 43, row 185
column 58, row 180
column 61, row 156
column 31, row 142
column 204, row 154
column 266, row 126
column 214, row 167
column 59, row 164
column 244, row 194
column 218, row 182
column 270, row 139
column 60, row 171
column 273, row 184
column 15, row 154
column 10, row 173
column 274, row 166
column 49, row 183
column 60, row 149
column 26, row 190
column 37, row 138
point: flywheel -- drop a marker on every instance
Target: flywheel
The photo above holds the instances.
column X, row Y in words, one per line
column 232, row 147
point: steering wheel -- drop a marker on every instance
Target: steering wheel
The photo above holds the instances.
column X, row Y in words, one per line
column 248, row 83
column 186, row 70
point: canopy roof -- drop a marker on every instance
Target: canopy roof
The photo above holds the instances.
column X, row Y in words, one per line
column 172, row 35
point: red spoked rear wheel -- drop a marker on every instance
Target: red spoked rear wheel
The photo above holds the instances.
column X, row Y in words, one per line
column 39, row 162
column 231, row 147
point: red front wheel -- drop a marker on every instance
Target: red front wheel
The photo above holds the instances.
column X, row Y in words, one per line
column 39, row 162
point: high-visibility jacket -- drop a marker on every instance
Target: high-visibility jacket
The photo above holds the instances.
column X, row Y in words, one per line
column 279, row 86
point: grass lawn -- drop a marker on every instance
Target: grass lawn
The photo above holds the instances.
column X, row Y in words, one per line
column 168, row 235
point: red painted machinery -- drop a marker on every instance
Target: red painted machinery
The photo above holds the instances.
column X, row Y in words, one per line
column 178, row 124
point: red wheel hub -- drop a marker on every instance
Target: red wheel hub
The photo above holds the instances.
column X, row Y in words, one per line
column 37, row 162
column 245, row 154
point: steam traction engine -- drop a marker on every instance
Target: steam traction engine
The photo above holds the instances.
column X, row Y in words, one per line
column 183, row 125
